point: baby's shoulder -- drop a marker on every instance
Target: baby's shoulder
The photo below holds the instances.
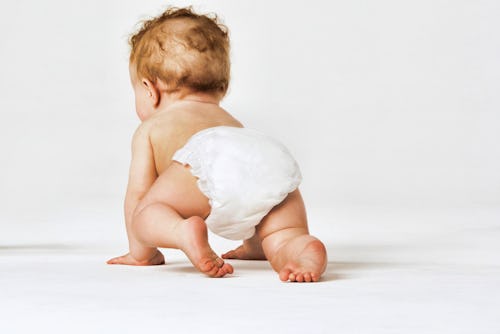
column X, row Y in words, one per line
column 151, row 128
column 167, row 129
column 144, row 129
column 140, row 139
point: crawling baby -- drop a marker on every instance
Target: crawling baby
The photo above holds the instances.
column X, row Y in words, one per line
column 195, row 167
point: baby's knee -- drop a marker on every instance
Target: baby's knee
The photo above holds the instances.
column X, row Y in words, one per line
column 141, row 215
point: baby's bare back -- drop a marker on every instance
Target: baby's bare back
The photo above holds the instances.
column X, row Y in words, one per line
column 170, row 129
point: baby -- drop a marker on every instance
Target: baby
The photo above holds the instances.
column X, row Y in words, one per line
column 195, row 167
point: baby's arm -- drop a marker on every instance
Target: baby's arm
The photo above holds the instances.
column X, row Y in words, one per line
column 141, row 176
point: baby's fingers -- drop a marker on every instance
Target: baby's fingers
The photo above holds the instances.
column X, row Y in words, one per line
column 119, row 260
column 114, row 260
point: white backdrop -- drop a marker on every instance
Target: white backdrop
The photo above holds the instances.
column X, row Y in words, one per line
column 386, row 103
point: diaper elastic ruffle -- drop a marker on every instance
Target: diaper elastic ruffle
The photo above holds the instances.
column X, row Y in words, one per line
column 243, row 172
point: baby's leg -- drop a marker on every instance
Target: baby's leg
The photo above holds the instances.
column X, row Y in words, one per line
column 171, row 215
column 292, row 252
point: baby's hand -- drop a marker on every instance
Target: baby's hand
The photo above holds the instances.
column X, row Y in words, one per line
column 127, row 259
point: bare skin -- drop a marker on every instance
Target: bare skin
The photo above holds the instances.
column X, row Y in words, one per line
column 165, row 208
column 251, row 249
column 164, row 218
column 294, row 254
column 157, row 259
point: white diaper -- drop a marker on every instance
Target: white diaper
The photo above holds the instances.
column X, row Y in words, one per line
column 244, row 174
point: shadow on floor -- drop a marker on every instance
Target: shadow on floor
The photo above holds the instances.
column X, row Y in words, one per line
column 185, row 267
column 334, row 272
column 353, row 269
column 38, row 247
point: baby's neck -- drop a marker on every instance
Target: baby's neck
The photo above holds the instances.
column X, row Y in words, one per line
column 202, row 99
column 169, row 99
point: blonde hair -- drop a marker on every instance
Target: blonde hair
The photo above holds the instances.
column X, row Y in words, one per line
column 184, row 50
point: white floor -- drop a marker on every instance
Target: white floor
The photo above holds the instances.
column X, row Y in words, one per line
column 390, row 271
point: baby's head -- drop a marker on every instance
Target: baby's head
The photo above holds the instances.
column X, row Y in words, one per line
column 179, row 52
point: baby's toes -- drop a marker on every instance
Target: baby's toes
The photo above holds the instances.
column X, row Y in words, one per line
column 212, row 271
column 307, row 277
column 228, row 268
column 219, row 262
column 225, row 269
column 218, row 268
column 207, row 265
column 285, row 275
column 299, row 277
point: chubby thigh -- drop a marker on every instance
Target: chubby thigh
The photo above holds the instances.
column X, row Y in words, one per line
column 177, row 187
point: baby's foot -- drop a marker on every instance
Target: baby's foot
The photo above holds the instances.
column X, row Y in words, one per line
column 306, row 265
column 199, row 251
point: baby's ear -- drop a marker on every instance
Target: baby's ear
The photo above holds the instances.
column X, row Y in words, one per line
column 152, row 91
